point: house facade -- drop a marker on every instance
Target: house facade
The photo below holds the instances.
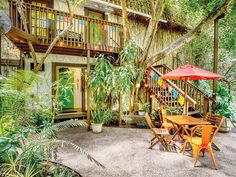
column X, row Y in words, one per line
column 97, row 29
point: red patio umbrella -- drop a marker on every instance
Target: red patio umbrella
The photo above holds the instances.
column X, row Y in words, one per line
column 190, row 72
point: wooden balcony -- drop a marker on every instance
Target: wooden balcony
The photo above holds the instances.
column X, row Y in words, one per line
column 45, row 23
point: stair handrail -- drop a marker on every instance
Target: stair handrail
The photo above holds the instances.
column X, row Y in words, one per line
column 174, row 86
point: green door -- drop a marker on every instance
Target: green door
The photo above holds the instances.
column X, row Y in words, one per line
column 95, row 28
column 66, row 91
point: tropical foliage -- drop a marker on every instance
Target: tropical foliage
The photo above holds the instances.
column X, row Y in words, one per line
column 224, row 98
column 108, row 79
column 28, row 139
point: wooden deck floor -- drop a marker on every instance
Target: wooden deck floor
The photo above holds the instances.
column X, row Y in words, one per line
column 70, row 115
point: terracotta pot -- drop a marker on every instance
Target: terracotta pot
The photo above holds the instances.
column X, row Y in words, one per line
column 97, row 127
column 226, row 126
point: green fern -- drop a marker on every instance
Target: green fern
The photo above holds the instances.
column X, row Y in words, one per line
column 22, row 80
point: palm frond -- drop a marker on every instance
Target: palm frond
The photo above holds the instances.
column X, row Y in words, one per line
column 69, row 124
column 50, row 142
column 50, row 130
column 22, row 80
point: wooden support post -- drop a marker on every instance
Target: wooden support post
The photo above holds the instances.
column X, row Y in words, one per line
column 88, row 92
column 185, row 96
column 205, row 106
column 0, row 55
column 215, row 61
column 120, row 110
column 21, row 60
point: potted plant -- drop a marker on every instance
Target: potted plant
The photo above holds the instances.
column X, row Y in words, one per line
column 106, row 82
column 144, row 108
column 99, row 117
column 224, row 108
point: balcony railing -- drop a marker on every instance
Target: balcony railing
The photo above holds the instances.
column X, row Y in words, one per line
column 46, row 23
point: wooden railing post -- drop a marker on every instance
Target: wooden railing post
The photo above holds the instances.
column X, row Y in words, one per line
column 89, row 33
column 121, row 39
column 205, row 106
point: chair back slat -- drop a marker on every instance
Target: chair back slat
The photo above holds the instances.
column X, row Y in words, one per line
column 214, row 119
column 149, row 121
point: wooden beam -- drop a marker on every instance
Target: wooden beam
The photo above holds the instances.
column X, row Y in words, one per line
column 62, row 50
column 10, row 62
column 88, row 92
column 17, row 35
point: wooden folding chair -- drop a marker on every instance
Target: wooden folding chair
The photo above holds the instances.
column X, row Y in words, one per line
column 168, row 126
column 203, row 143
column 159, row 134
column 216, row 120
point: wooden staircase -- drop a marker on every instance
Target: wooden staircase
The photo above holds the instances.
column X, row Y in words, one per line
column 198, row 102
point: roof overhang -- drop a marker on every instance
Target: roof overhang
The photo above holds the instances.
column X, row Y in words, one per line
column 111, row 5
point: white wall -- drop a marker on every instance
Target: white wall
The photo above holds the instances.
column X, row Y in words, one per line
column 62, row 6
column 45, row 86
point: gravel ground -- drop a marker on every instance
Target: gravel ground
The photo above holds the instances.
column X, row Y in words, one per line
column 124, row 152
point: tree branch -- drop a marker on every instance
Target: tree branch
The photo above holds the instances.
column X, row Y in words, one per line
column 57, row 38
column 20, row 9
column 190, row 35
column 156, row 12
column 230, row 68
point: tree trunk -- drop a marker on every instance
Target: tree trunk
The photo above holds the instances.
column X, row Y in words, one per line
column 190, row 35
column 125, row 21
column 156, row 12
column 134, row 102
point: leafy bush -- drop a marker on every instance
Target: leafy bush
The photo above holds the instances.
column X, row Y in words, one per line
column 29, row 142
column 102, row 115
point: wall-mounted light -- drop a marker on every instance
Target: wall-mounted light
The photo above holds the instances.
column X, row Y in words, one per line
column 152, row 96
column 60, row 43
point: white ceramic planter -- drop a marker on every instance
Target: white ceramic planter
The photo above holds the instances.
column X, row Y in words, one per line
column 97, row 128
column 141, row 113
column 226, row 126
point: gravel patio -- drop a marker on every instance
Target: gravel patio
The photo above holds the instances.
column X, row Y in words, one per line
column 124, row 152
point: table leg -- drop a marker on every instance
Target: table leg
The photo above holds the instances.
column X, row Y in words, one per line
column 177, row 129
column 185, row 130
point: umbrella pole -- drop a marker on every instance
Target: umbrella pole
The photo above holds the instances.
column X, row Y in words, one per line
column 185, row 97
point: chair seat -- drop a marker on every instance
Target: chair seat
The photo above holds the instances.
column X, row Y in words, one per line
column 160, row 131
column 167, row 125
column 195, row 140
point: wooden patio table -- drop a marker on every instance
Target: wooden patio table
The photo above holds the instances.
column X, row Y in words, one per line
column 180, row 121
